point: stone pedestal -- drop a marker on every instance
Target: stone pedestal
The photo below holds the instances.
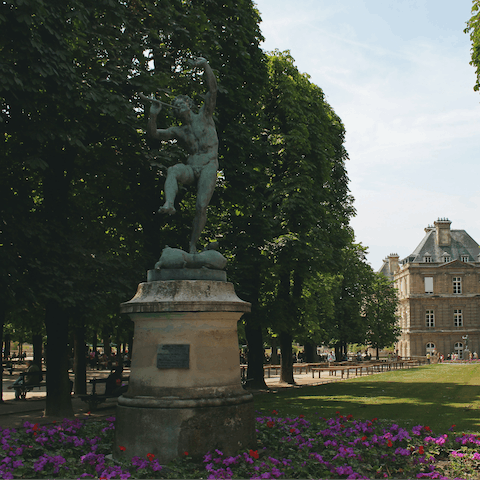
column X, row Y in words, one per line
column 185, row 393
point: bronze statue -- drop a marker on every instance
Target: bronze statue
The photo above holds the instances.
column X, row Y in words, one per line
column 197, row 134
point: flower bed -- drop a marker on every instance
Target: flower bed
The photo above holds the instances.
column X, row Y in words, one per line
column 339, row 447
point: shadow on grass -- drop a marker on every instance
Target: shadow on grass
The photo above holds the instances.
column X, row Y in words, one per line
column 424, row 397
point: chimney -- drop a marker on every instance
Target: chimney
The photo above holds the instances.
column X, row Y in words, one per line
column 444, row 238
column 393, row 263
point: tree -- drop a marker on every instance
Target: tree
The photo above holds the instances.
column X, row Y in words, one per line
column 473, row 28
column 69, row 70
column 308, row 195
column 78, row 176
column 380, row 313
column 348, row 325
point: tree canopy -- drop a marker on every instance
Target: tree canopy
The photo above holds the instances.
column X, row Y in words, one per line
column 80, row 183
column 473, row 29
column 380, row 312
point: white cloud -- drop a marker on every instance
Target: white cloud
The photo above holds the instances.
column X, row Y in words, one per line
column 404, row 91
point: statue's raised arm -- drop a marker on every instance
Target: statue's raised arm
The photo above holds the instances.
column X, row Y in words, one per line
column 211, row 97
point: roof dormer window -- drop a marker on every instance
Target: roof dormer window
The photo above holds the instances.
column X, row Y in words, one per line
column 427, row 258
column 465, row 258
column 446, row 257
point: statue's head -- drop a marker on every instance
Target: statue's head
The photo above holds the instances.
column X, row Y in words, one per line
column 184, row 106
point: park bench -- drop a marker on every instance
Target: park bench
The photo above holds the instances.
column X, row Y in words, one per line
column 24, row 389
column 8, row 365
column 299, row 367
column 332, row 370
column 269, row 368
column 94, row 399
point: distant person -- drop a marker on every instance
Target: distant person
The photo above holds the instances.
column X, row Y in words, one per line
column 32, row 376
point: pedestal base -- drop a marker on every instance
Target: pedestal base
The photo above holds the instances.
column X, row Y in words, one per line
column 170, row 432
column 184, row 392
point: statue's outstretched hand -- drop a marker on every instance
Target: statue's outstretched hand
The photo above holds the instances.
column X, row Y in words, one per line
column 197, row 61
column 155, row 105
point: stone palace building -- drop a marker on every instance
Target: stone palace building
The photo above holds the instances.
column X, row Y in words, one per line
column 438, row 287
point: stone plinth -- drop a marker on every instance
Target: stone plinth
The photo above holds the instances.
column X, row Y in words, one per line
column 184, row 393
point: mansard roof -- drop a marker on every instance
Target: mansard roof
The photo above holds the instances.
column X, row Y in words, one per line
column 385, row 269
column 462, row 244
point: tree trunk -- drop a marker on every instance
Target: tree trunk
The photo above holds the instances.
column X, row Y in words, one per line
column 274, row 360
column 37, row 342
column 8, row 346
column 255, row 372
column 338, row 351
column 286, row 372
column 94, row 342
column 310, row 350
column 378, row 353
column 106, row 345
column 119, row 355
column 59, row 401
column 79, row 361
column 2, row 323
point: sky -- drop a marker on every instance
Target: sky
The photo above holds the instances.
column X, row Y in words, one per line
column 397, row 73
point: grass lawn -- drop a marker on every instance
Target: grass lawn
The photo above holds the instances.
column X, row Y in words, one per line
column 436, row 395
column 391, row 425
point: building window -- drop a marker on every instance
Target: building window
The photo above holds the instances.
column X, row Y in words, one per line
column 457, row 318
column 428, row 284
column 457, row 284
column 465, row 258
column 458, row 350
column 429, row 318
column 446, row 258
column 430, row 350
column 427, row 258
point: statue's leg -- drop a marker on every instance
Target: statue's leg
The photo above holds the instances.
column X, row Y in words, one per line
column 178, row 173
column 205, row 187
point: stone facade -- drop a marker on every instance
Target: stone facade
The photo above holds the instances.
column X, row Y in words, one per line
column 439, row 293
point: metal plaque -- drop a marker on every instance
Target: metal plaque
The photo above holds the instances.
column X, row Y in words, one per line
column 173, row 356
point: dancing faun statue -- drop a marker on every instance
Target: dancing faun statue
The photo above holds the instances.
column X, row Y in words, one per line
column 197, row 134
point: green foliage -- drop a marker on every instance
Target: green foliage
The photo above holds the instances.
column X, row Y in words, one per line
column 473, row 28
column 307, row 190
column 70, row 70
column 348, row 324
column 80, row 183
column 380, row 313
column 72, row 168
